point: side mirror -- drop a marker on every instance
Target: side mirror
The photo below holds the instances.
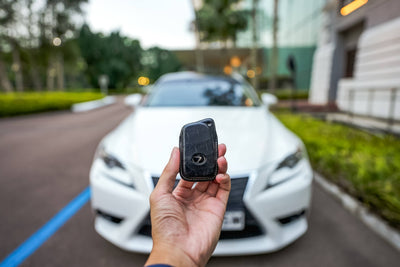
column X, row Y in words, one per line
column 147, row 89
column 133, row 100
column 269, row 99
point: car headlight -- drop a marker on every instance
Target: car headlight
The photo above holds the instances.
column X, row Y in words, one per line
column 108, row 159
column 286, row 169
column 116, row 170
column 291, row 160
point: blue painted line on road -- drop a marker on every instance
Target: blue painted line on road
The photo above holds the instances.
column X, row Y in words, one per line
column 34, row 242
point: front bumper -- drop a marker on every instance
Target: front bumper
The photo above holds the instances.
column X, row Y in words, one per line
column 279, row 212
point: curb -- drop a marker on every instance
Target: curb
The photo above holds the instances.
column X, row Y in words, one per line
column 355, row 207
column 90, row 105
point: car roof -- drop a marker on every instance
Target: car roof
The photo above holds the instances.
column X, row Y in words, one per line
column 191, row 75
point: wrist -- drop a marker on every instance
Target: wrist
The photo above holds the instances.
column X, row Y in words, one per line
column 169, row 254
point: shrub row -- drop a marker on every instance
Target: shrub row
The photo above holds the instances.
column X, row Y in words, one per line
column 12, row 104
column 366, row 166
column 287, row 94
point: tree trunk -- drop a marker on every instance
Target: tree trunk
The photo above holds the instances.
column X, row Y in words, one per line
column 254, row 48
column 35, row 76
column 198, row 51
column 60, row 72
column 5, row 84
column 274, row 54
column 51, row 72
column 17, row 68
column 32, row 62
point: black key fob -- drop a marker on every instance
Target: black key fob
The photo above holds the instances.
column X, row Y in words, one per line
column 198, row 146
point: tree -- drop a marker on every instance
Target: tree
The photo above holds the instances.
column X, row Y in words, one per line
column 221, row 20
column 116, row 56
column 195, row 28
column 274, row 52
column 157, row 61
column 6, row 17
column 27, row 31
column 254, row 47
column 57, row 23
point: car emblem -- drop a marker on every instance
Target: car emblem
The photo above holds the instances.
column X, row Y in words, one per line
column 199, row 159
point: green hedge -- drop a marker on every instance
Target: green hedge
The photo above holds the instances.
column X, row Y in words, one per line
column 287, row 94
column 12, row 104
column 364, row 165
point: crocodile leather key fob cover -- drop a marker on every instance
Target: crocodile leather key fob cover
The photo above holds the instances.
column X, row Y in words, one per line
column 198, row 146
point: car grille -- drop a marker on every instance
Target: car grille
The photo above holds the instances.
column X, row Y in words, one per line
column 235, row 203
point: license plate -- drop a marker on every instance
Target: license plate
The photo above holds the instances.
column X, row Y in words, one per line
column 233, row 221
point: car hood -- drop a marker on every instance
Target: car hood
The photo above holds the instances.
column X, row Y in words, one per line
column 252, row 135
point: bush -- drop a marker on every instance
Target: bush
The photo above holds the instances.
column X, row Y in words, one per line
column 364, row 165
column 286, row 94
column 12, row 104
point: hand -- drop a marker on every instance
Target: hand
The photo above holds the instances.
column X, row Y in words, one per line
column 186, row 222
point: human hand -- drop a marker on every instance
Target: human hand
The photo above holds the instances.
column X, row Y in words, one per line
column 186, row 222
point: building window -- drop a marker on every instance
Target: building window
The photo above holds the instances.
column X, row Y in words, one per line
column 350, row 60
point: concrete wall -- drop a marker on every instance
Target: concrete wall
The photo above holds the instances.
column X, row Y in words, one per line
column 377, row 65
column 377, row 71
column 321, row 73
column 323, row 61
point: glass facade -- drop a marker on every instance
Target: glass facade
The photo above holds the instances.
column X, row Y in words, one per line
column 299, row 23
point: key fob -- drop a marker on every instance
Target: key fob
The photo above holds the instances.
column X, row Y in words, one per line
column 198, row 146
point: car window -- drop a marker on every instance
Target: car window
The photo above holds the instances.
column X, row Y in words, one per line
column 218, row 92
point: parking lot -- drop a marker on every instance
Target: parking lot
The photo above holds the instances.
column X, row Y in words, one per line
column 44, row 164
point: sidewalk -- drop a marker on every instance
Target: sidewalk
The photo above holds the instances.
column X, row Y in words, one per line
column 331, row 113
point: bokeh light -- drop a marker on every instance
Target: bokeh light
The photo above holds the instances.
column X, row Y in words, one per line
column 251, row 74
column 227, row 70
column 57, row 41
column 235, row 61
column 143, row 81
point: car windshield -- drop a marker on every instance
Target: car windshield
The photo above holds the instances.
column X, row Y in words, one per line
column 212, row 92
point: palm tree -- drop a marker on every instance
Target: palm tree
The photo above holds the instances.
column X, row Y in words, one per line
column 221, row 21
column 274, row 54
column 198, row 52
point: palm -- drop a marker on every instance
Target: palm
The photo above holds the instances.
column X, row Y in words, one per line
column 190, row 217
column 203, row 215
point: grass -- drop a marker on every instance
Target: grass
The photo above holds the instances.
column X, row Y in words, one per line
column 12, row 104
column 364, row 165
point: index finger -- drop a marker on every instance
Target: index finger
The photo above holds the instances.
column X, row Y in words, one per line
column 221, row 150
column 224, row 181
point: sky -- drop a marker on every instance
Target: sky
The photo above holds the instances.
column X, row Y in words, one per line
column 163, row 23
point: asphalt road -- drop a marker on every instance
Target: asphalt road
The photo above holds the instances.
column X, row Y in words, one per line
column 44, row 164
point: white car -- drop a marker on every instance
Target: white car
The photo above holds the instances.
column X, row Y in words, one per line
column 270, row 172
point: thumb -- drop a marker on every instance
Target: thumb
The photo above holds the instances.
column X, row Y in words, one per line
column 167, row 179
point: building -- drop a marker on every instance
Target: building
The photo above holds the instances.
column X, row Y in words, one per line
column 357, row 61
column 298, row 27
column 215, row 59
